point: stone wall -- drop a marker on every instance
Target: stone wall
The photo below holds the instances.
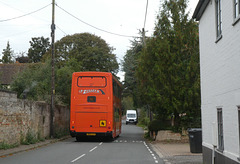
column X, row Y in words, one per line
column 19, row 117
column 166, row 135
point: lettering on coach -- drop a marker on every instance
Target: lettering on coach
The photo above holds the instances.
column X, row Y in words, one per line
column 96, row 91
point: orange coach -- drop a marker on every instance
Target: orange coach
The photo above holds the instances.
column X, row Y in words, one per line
column 95, row 105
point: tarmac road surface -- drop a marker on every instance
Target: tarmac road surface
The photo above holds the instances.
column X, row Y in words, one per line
column 130, row 147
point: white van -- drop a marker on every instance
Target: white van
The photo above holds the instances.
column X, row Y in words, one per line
column 131, row 116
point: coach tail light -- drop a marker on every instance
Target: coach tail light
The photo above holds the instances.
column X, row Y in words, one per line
column 72, row 124
column 109, row 125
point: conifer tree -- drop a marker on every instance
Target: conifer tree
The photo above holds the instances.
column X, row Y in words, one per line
column 169, row 66
column 7, row 54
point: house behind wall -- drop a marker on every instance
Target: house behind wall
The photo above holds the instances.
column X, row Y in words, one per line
column 8, row 71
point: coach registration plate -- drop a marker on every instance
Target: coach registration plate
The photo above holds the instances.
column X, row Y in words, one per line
column 91, row 134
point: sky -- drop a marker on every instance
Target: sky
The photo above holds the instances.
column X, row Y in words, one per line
column 121, row 17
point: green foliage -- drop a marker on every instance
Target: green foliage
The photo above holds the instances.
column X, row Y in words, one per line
column 7, row 55
column 143, row 120
column 5, row 146
column 34, row 82
column 29, row 139
column 147, row 136
column 130, row 64
column 168, row 69
column 127, row 103
column 90, row 52
column 157, row 125
column 79, row 52
column 38, row 47
column 22, row 59
column 59, row 133
column 63, row 84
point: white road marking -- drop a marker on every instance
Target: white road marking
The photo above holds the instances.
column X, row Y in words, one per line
column 125, row 141
column 78, row 158
column 85, row 154
column 150, row 151
column 93, row 149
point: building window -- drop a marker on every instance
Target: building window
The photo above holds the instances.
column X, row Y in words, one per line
column 236, row 9
column 219, row 17
column 239, row 125
column 220, row 129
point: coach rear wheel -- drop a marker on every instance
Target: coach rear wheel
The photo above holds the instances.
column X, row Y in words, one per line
column 78, row 139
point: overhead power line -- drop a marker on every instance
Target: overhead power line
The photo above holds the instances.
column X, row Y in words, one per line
column 25, row 14
column 94, row 26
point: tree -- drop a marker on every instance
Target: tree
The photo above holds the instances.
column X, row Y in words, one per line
column 21, row 58
column 130, row 64
column 169, row 66
column 82, row 53
column 38, row 47
column 7, row 54
column 34, row 82
column 91, row 53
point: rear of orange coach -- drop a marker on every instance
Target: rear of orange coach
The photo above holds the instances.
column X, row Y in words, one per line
column 92, row 111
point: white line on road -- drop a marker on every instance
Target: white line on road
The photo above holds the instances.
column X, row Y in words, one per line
column 93, row 149
column 150, row 151
column 78, row 158
column 101, row 143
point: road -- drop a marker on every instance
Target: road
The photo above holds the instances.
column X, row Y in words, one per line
column 130, row 147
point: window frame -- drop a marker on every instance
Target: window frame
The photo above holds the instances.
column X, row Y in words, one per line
column 236, row 11
column 89, row 86
column 218, row 12
column 220, row 129
column 238, row 109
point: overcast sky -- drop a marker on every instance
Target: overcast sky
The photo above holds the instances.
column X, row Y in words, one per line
column 124, row 17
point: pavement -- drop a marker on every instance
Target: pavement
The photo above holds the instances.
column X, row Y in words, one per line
column 176, row 153
column 170, row 152
column 22, row 148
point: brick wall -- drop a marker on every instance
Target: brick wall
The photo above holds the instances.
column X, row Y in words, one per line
column 18, row 117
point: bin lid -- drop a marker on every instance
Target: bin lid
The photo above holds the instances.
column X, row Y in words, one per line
column 194, row 129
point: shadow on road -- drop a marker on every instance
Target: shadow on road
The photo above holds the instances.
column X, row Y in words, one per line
column 94, row 139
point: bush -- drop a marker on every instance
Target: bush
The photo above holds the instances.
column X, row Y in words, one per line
column 155, row 125
column 59, row 133
column 143, row 120
column 5, row 146
column 29, row 139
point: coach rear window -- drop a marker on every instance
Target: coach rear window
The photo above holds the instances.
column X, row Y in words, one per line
column 92, row 81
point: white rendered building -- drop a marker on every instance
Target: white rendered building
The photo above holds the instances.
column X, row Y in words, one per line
column 219, row 34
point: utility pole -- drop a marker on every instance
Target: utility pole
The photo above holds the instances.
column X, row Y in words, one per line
column 53, row 72
column 144, row 38
column 143, row 30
